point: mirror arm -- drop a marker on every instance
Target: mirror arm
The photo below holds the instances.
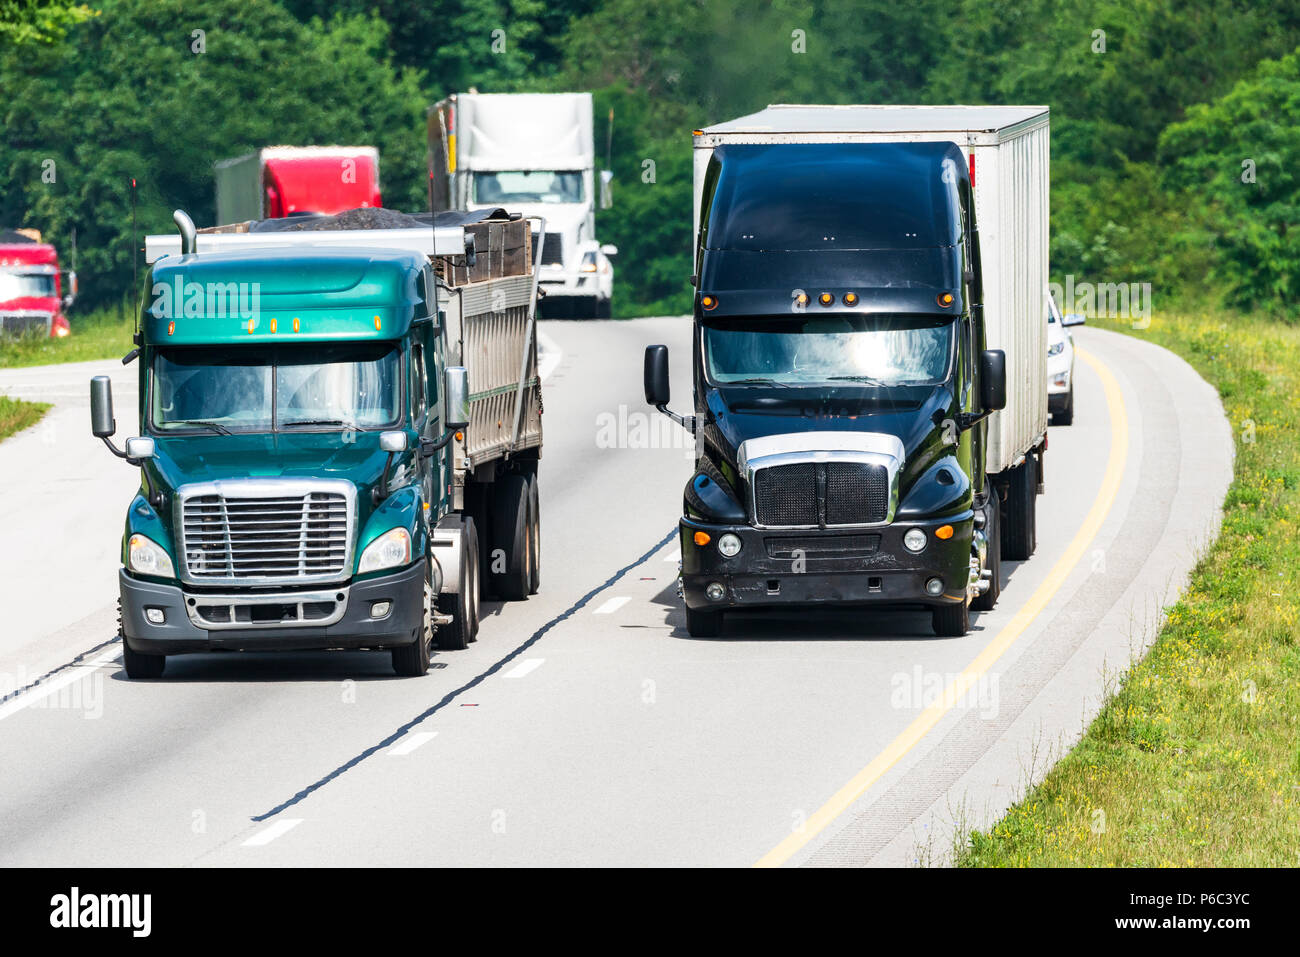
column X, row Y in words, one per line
column 429, row 446
column 380, row 492
column 116, row 451
column 687, row 422
column 968, row 420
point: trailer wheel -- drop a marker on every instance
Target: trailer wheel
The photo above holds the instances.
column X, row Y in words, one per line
column 412, row 661
column 535, row 537
column 993, row 554
column 510, row 538
column 140, row 665
column 703, row 624
column 951, row 621
column 1019, row 530
column 474, row 588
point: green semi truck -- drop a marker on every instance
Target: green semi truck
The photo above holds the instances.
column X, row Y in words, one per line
column 339, row 434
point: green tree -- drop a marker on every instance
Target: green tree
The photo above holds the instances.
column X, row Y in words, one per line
column 26, row 22
column 1237, row 158
column 189, row 86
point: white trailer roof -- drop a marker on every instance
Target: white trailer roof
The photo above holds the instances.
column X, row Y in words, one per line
column 509, row 131
column 790, row 118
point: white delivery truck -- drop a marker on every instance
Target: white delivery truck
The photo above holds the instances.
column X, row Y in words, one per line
column 869, row 360
column 532, row 153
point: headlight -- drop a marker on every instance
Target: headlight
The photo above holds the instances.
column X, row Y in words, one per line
column 147, row 557
column 389, row 550
column 729, row 545
column 1056, row 348
column 588, row 262
column 914, row 539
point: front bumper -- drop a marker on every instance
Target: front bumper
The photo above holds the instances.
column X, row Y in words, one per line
column 826, row 567
column 351, row 627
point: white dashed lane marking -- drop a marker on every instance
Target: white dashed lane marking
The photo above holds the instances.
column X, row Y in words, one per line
column 611, row 606
column 525, row 667
column 411, row 742
column 268, row 834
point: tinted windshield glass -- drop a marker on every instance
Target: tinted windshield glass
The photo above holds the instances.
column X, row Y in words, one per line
column 844, row 350
column 14, row 285
column 253, row 389
column 528, row 186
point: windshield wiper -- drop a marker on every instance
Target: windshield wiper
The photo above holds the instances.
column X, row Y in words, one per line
column 864, row 379
column 758, row 381
column 196, row 423
column 343, row 422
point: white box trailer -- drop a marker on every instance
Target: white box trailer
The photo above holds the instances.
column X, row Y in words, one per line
column 1007, row 148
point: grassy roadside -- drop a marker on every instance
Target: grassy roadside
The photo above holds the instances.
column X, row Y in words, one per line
column 102, row 334
column 1195, row 760
column 18, row 414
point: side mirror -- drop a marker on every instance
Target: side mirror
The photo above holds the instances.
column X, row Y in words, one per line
column 388, row 441
column 102, row 425
column 456, row 397
column 993, row 380
column 609, row 249
column 1073, row 319
column 140, row 448
column 656, row 375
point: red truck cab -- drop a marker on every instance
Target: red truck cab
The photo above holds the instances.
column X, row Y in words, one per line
column 32, row 296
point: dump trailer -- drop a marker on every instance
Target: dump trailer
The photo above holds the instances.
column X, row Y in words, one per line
column 339, row 435
column 869, row 359
column 534, row 153
column 279, row 181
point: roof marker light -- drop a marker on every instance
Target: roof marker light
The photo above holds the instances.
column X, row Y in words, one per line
column 709, row 302
column 850, row 298
column 251, row 324
column 826, row 299
column 944, row 299
column 273, row 324
column 376, row 323
column 171, row 327
column 295, row 324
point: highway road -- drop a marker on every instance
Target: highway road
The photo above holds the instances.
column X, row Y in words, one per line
column 586, row 727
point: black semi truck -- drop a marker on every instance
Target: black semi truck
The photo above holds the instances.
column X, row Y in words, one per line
column 868, row 359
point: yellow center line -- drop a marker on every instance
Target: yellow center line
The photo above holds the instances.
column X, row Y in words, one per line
column 960, row 685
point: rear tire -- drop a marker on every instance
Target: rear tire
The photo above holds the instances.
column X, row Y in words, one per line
column 510, row 528
column 1020, row 530
column 140, row 665
column 703, row 624
column 951, row 621
column 535, row 537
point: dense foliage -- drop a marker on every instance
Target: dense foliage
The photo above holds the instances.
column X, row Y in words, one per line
column 1156, row 106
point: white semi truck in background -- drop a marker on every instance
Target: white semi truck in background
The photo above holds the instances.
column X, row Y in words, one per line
column 533, row 153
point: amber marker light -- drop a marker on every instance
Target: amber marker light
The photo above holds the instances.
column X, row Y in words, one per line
column 295, row 324
column 701, row 538
column 273, row 324
column 709, row 302
column 850, row 298
column 826, row 299
column 376, row 323
column 802, row 298
column 251, row 323
column 171, row 327
column 944, row 532
column 944, row 299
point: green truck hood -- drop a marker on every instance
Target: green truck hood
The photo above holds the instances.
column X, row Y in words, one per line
column 205, row 458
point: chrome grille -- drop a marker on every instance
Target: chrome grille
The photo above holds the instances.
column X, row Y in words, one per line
column 25, row 324
column 856, row 493
column 260, row 531
column 786, row 494
column 552, row 250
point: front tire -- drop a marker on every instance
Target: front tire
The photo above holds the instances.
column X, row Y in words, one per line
column 703, row 624
column 951, row 621
column 412, row 661
column 140, row 665
column 993, row 553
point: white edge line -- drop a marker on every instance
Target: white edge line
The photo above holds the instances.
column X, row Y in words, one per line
column 47, row 688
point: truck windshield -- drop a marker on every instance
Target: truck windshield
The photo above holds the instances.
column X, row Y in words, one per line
column 528, row 186
column 17, row 285
column 821, row 351
column 254, row 389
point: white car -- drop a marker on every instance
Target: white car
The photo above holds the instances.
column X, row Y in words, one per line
column 1060, row 363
